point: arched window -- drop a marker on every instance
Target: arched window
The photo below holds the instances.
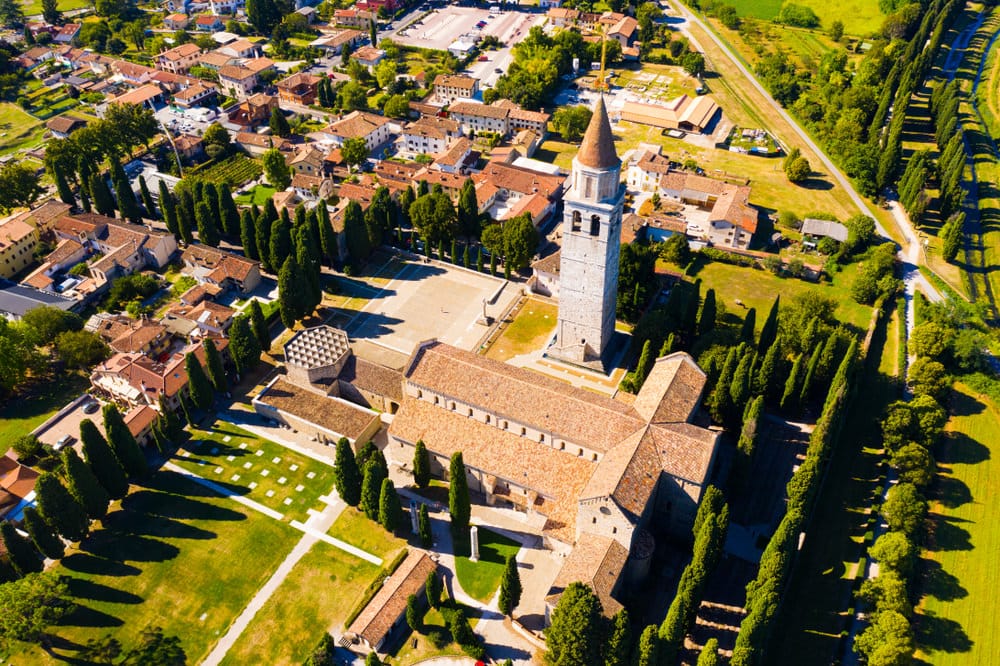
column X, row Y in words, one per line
column 595, row 225
column 576, row 220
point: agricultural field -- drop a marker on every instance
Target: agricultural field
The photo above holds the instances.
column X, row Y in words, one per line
column 235, row 170
column 860, row 17
column 44, row 103
column 957, row 620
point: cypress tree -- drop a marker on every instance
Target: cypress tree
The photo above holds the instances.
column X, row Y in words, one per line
column 160, row 439
column 764, row 381
column 104, row 202
column 62, row 186
column 102, row 460
column 59, row 509
column 205, row 219
column 739, row 389
column 20, row 551
column 706, row 322
column 810, row 375
column 465, row 256
column 169, row 209
column 371, row 489
column 263, row 224
column 433, row 589
column 147, row 198
column 421, row 465
column 769, row 332
column 668, row 346
column 789, row 399
column 228, row 213
column 42, row 534
column 199, row 385
column 259, row 325
column 645, row 364
column 83, row 485
column 493, row 264
column 424, row 526
column 709, row 653
column 172, row 427
column 210, row 195
column 122, row 442
column 185, row 223
column 479, row 259
column 690, row 325
column 243, row 345
column 510, row 587
column 347, row 477
column 412, row 613
column 390, row 513
column 187, row 409
column 747, row 330
column 355, row 234
column 747, row 443
column 327, row 236
column 619, row 646
column 310, row 269
column 248, row 234
column 291, row 301
column 459, row 505
column 127, row 204
column 280, row 239
column 574, row 635
column 721, row 402
column 216, row 374
column 648, row 649
column 85, row 201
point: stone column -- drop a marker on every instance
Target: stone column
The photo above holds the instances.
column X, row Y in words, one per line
column 474, row 543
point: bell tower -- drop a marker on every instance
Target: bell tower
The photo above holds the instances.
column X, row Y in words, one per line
column 591, row 236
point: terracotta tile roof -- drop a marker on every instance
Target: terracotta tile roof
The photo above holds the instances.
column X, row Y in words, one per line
column 373, row 378
column 262, row 140
column 13, row 231
column 597, row 150
column 455, row 153
column 335, row 415
column 597, row 562
column 533, row 204
column 653, row 162
column 432, row 126
column 216, row 59
column 518, row 179
column 148, row 377
column 220, row 264
column 456, row 81
column 298, row 79
column 257, row 65
column 305, row 182
column 65, row 124
column 357, row 124
column 186, row 142
column 206, row 312
column 126, row 335
column 363, row 194
column 531, row 116
column 235, row 73
column 47, row 213
column 17, row 479
column 193, row 92
column 477, row 110
column 139, row 418
column 628, row 474
column 180, row 52
column 675, row 375
column 368, row 53
column 396, row 171
column 447, row 181
column 576, row 415
column 200, row 292
column 549, row 264
column 140, row 95
column 388, row 605
column 554, row 479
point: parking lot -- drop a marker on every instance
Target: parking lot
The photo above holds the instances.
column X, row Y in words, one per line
column 179, row 121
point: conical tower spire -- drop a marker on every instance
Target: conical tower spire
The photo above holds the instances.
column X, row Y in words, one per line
column 598, row 148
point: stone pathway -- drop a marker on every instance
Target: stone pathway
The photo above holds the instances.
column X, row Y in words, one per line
column 225, row 492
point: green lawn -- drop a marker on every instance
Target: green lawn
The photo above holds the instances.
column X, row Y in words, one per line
column 757, row 289
column 860, row 17
column 318, row 594
column 762, row 9
column 175, row 555
column 294, row 482
column 417, row 647
column 958, row 619
column 258, row 195
column 31, row 407
column 532, row 326
column 35, row 6
column 481, row 579
column 18, row 129
column 353, row 527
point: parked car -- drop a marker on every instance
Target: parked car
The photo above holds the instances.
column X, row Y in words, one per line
column 483, row 58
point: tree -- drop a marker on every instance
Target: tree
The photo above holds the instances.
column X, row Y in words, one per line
column 31, row 605
column 216, row 374
column 468, row 211
column 248, row 234
column 929, row 377
column 147, row 198
column 259, row 325
column 327, row 236
column 520, row 241
column 46, row 322
column 42, row 534
column 904, row 508
column 619, row 644
column 706, row 321
column 354, row 151
column 358, row 243
column 20, row 551
column 952, row 234
column 915, row 464
column 433, row 588
column 347, row 477
column 79, row 349
column 243, row 345
column 263, row 15
column 693, row 63
column 102, row 460
column 575, row 636
column 59, row 509
column 352, row 96
column 229, row 216
column 421, row 465
column 124, row 195
column 709, row 653
column 199, row 385
column 390, row 513
column 747, row 329
column 169, row 209
column 123, row 443
column 103, row 650
column 386, row 73
column 155, row 648
column 371, row 489
column 769, row 331
column 887, row 641
column 895, row 551
column 279, row 124
column 51, row 13
column 372, row 659
column 276, row 170
column 27, row 446
column 291, row 298
column 459, row 505
column 207, row 231
column 510, row 587
column 571, row 122
column 648, row 649
column 790, row 398
column 836, row 33
column 19, row 187
column 424, row 527
column 84, row 486
column 412, row 612
column 798, row 170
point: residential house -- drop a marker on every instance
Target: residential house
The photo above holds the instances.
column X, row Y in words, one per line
column 307, row 161
column 625, row 30
column 457, row 158
column 126, row 248
column 208, row 23
column 374, row 129
column 176, row 21
column 238, row 81
column 220, row 268
column 451, row 183
column 196, row 95
column 449, row 88
column 254, row 111
column 506, row 191
column 216, row 61
column 257, row 144
column 474, row 117
column 16, row 299
column 67, row 33
column 211, row 318
column 428, row 136
column 353, row 18
column 126, row 335
column 241, row 48
column 369, row 56
column 189, row 147
column 298, row 88
column 179, row 59
column 562, row 17
column 17, row 488
column 646, row 168
column 131, row 73
column 18, row 241
column 309, row 13
column 333, row 42
column 62, row 126
column 149, row 95
column 716, row 211
column 522, row 119
column 310, row 188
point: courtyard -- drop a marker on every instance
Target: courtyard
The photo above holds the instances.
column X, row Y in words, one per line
column 423, row 301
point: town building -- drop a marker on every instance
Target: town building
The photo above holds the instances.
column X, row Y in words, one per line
column 254, row 112
column 647, row 167
column 505, row 191
column 209, row 265
column 683, row 113
column 298, row 88
column 369, row 56
column 179, row 59
column 238, row 81
column 353, row 18
column 16, row 300
column 374, row 129
column 18, row 241
column 62, row 126
column 449, row 88
column 715, row 211
column 428, row 135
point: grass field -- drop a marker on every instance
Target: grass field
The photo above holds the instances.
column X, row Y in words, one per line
column 259, row 195
column 819, row 593
column 433, row 621
column 35, row 6
column 316, row 596
column 18, row 129
column 481, row 579
column 263, row 471
column 27, row 410
column 958, row 621
column 531, row 327
column 353, row 527
column 860, row 17
column 175, row 555
column 757, row 289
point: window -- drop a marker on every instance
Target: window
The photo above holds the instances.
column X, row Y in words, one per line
column 595, row 225
column 470, row 411
column 524, row 431
column 614, row 530
column 541, row 438
column 576, row 220
column 593, row 521
column 588, row 187
column 437, row 400
column 420, row 394
column 504, row 425
column 453, row 406
column 579, row 452
column 487, row 418
column 594, row 457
